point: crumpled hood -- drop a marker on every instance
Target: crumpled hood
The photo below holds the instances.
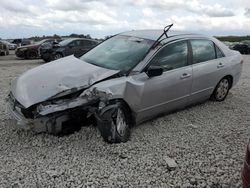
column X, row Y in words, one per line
column 45, row 81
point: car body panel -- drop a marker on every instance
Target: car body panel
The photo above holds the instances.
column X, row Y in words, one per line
column 174, row 91
column 206, row 75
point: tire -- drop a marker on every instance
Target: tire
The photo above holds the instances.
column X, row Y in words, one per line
column 31, row 54
column 57, row 56
column 221, row 90
column 114, row 123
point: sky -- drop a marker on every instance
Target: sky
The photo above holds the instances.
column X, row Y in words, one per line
column 99, row 18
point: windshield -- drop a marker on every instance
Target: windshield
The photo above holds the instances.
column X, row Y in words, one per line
column 119, row 52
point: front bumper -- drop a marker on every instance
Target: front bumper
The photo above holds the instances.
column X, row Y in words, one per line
column 22, row 122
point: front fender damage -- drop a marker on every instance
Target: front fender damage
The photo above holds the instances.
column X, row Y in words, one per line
column 54, row 116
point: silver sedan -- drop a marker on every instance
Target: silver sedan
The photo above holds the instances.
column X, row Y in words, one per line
column 129, row 78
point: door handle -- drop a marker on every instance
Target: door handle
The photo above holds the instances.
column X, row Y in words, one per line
column 185, row 75
column 220, row 65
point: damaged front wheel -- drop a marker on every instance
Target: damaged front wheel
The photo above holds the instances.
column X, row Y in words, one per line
column 114, row 123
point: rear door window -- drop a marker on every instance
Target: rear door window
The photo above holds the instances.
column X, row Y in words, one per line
column 203, row 50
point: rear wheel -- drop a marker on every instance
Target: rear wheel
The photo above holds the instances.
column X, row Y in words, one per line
column 115, row 122
column 221, row 91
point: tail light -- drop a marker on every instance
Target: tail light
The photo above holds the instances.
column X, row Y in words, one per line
column 241, row 62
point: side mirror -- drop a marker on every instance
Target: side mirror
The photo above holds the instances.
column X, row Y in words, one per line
column 154, row 71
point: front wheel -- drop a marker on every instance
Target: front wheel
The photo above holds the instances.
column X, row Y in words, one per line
column 221, row 91
column 114, row 123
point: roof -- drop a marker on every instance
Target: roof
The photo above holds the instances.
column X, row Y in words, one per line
column 152, row 34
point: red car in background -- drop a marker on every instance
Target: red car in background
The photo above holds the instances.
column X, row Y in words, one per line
column 246, row 169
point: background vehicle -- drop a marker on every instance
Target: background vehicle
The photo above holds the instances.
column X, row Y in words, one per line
column 245, row 174
column 242, row 48
column 4, row 50
column 127, row 79
column 11, row 46
column 32, row 51
column 76, row 46
column 21, row 42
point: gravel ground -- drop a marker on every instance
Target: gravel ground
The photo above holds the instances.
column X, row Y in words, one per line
column 206, row 141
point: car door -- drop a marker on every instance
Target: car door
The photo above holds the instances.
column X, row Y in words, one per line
column 170, row 90
column 208, row 67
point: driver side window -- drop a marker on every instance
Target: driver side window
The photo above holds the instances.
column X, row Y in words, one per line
column 172, row 56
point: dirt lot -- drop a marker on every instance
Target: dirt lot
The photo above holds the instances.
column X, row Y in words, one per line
column 207, row 142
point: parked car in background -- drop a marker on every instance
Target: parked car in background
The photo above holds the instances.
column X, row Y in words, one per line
column 242, row 48
column 4, row 49
column 11, row 46
column 75, row 46
column 32, row 51
column 245, row 174
column 127, row 79
column 21, row 42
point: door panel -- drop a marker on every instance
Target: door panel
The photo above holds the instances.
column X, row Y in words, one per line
column 205, row 77
column 164, row 93
column 171, row 90
column 207, row 70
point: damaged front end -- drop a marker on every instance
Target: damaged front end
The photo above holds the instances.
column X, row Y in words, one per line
column 58, row 114
column 56, row 95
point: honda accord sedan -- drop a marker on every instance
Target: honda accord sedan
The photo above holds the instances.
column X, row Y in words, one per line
column 127, row 79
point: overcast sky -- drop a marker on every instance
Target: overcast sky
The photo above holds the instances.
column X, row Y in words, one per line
column 24, row 18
